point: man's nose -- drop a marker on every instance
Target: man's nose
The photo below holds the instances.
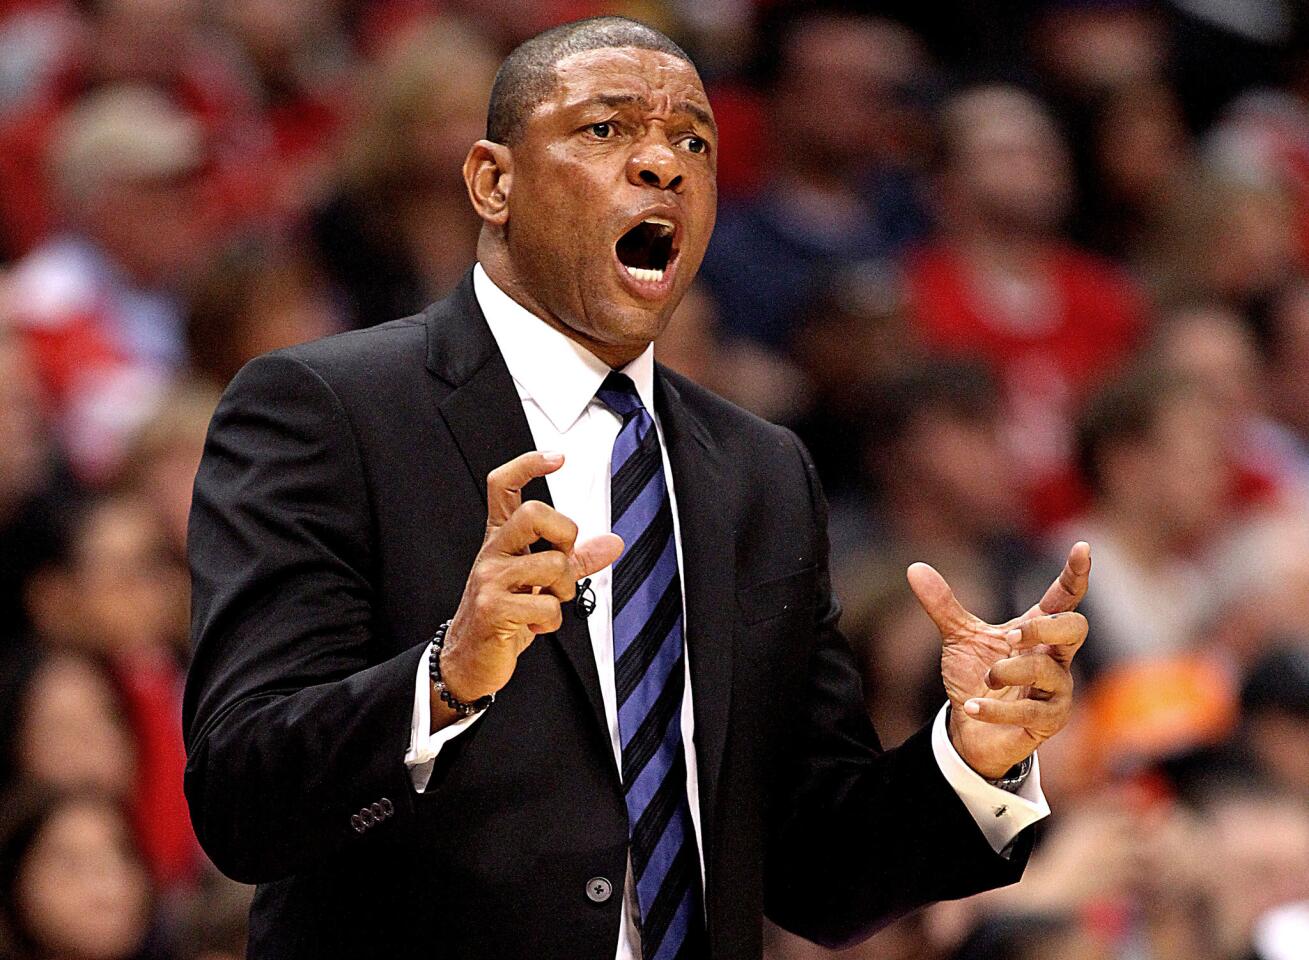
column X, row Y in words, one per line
column 655, row 165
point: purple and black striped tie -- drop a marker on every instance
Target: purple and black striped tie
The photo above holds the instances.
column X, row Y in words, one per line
column 649, row 674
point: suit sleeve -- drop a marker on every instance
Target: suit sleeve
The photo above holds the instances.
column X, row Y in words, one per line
column 293, row 722
column 864, row 835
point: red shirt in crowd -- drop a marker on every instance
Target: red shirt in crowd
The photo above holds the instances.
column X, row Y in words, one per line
column 1045, row 366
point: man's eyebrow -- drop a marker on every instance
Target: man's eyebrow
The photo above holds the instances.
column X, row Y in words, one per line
column 628, row 99
column 699, row 112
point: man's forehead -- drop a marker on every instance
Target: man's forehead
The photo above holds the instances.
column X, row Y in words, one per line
column 650, row 74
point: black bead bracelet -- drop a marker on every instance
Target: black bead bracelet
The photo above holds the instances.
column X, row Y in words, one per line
column 448, row 698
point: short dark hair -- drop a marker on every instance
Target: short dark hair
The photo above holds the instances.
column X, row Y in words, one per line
column 527, row 75
column 1124, row 411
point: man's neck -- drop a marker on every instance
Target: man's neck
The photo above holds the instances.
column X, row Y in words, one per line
column 501, row 273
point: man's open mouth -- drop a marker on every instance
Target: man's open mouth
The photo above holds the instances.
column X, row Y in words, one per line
column 648, row 248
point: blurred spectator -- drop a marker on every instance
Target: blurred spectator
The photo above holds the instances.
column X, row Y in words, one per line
column 1003, row 284
column 852, row 340
column 399, row 231
column 64, row 726
column 1225, row 238
column 1151, row 446
column 1211, row 345
column 163, row 457
column 1087, row 48
column 72, row 886
column 295, row 61
column 835, row 193
column 934, row 451
column 1137, row 157
column 97, row 306
column 256, row 296
column 154, row 43
column 942, row 494
column 1258, row 849
column 118, row 593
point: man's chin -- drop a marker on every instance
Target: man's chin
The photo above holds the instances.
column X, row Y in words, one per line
column 626, row 329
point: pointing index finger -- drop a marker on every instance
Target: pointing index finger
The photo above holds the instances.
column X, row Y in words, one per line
column 504, row 484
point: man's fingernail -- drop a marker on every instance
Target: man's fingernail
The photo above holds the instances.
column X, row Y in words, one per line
column 552, row 458
column 1013, row 636
column 972, row 708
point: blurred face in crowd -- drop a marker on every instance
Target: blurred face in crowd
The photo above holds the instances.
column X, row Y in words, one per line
column 960, row 461
column 1259, row 851
column 272, row 31
column 1095, row 47
column 1175, row 480
column 82, row 891
column 1256, row 243
column 148, row 226
column 1008, row 169
column 146, row 40
column 602, row 210
column 1211, row 345
column 119, row 594
column 841, row 100
column 73, row 735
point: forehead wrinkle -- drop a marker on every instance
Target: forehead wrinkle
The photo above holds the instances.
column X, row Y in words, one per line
column 635, row 66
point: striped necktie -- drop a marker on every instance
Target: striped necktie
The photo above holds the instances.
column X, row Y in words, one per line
column 649, row 674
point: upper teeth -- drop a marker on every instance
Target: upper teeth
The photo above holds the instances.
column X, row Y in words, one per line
column 642, row 273
column 660, row 222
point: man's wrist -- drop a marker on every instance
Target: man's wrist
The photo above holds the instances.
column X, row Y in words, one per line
column 440, row 687
column 995, row 776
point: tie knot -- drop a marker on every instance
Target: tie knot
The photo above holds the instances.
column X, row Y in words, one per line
column 618, row 393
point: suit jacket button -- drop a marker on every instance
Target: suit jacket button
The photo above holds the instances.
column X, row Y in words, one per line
column 598, row 889
column 357, row 823
column 367, row 817
column 378, row 813
column 388, row 807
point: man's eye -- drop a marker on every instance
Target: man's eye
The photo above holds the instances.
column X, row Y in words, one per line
column 695, row 144
column 602, row 130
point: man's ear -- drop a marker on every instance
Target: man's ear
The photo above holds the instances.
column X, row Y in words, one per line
column 488, row 174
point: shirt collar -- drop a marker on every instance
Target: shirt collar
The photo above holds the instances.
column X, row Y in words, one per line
column 553, row 370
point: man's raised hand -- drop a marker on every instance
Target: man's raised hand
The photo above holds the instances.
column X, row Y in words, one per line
column 1010, row 684
column 512, row 594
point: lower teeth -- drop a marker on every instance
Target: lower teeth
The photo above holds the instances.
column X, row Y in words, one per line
column 642, row 273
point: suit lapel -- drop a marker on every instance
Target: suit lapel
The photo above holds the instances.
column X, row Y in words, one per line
column 709, row 561
column 486, row 419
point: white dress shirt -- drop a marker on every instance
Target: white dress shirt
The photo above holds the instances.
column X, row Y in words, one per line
column 557, row 379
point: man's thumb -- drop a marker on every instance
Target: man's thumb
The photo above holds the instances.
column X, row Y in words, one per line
column 595, row 554
column 936, row 598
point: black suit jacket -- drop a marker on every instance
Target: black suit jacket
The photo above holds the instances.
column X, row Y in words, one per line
column 337, row 512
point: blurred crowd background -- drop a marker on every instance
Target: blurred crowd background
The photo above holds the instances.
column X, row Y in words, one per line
column 1018, row 273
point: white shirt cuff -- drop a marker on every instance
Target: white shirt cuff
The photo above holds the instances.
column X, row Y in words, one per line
column 424, row 745
column 1000, row 815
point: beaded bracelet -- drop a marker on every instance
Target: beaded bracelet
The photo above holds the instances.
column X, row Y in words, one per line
column 448, row 698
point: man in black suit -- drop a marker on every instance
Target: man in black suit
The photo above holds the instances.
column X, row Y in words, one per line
column 406, row 725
